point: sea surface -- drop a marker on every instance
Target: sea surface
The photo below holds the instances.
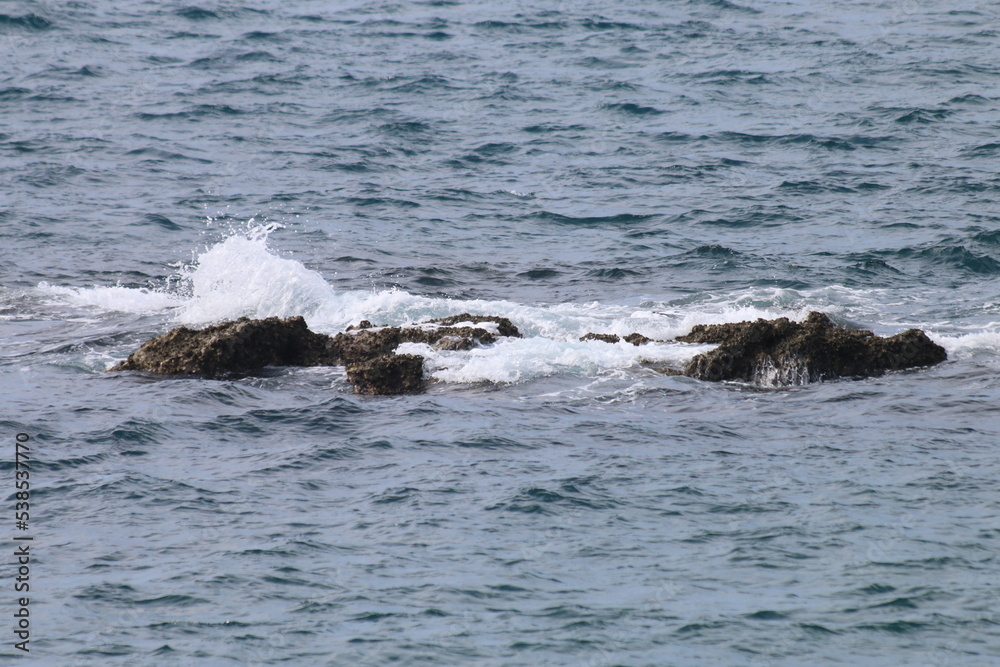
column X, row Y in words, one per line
column 576, row 166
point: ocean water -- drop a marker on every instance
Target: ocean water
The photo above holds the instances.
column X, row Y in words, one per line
column 576, row 167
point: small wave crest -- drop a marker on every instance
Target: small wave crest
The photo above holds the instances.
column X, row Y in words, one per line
column 969, row 345
column 118, row 298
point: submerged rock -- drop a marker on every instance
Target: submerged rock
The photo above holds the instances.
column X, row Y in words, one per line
column 388, row 374
column 239, row 346
column 782, row 352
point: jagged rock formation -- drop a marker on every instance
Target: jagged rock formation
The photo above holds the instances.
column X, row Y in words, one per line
column 239, row 346
column 368, row 352
column 781, row 352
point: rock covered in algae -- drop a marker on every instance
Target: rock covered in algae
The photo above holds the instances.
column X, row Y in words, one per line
column 782, row 352
column 239, row 346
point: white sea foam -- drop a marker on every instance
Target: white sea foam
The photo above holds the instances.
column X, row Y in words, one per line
column 971, row 344
column 117, row 298
column 520, row 359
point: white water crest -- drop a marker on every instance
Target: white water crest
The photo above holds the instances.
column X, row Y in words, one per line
column 112, row 299
column 962, row 346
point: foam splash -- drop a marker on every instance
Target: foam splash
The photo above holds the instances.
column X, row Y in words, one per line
column 521, row 359
column 241, row 277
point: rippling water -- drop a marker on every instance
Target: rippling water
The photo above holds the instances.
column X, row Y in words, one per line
column 575, row 166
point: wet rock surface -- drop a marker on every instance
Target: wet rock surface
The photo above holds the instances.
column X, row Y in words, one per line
column 782, row 352
column 388, row 374
column 240, row 346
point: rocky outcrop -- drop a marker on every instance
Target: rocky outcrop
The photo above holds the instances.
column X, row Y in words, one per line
column 240, row 346
column 388, row 374
column 782, row 352
column 367, row 351
column 769, row 352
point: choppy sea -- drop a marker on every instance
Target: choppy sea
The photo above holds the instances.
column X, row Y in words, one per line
column 575, row 166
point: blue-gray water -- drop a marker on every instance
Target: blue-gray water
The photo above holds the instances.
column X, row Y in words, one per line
column 575, row 166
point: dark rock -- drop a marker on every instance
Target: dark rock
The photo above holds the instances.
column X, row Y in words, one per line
column 388, row 374
column 634, row 338
column 363, row 324
column 505, row 326
column 605, row 338
column 783, row 352
column 637, row 339
column 240, row 346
